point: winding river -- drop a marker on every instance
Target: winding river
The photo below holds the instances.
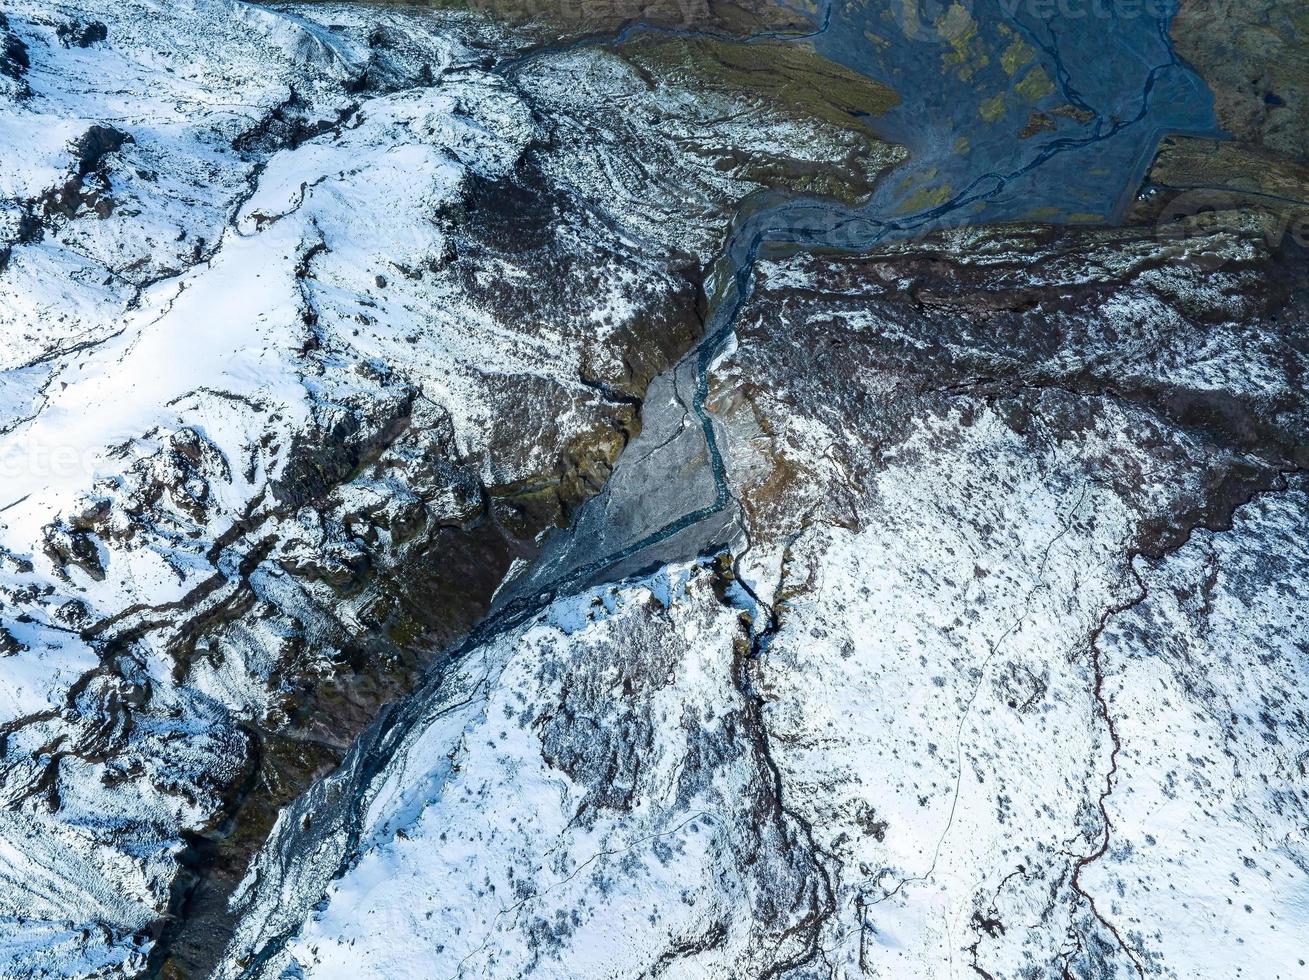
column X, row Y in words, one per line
column 1111, row 86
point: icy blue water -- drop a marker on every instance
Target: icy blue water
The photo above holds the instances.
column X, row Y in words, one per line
column 1117, row 71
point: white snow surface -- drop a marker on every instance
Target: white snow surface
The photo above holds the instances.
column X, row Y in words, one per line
column 903, row 774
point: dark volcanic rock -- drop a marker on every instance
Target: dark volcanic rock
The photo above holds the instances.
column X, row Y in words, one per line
column 82, row 34
column 89, row 186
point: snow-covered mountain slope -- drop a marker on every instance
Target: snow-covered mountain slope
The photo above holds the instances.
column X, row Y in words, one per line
column 314, row 320
column 1001, row 677
column 318, row 317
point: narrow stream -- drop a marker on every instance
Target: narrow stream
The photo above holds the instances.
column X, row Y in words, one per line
column 1115, row 86
column 1163, row 96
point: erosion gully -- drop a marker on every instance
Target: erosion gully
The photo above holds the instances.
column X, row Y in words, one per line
column 1126, row 89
